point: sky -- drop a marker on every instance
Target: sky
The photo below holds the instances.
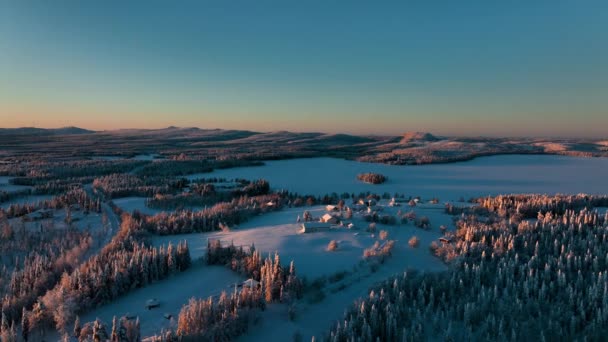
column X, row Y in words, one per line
column 493, row 68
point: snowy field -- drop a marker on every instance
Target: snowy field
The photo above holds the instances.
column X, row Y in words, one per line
column 131, row 204
column 479, row 177
column 278, row 231
column 200, row 281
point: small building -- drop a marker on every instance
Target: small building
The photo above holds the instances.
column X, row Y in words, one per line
column 331, row 207
column 327, row 218
column 251, row 283
column 152, row 303
column 394, row 203
column 270, row 204
column 351, row 226
column 312, row 227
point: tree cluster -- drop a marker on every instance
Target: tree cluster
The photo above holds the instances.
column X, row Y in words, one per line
column 508, row 280
column 372, row 178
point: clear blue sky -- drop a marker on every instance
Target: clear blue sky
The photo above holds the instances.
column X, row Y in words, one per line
column 451, row 67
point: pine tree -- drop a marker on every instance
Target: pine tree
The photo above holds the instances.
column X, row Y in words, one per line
column 77, row 327
column 25, row 325
column 114, row 336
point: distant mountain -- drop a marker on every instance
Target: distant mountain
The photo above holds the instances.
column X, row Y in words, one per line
column 44, row 131
column 417, row 136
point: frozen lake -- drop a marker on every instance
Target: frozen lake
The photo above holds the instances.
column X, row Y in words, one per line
column 479, row 177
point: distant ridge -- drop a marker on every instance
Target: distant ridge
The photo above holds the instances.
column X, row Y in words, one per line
column 44, row 131
column 417, row 136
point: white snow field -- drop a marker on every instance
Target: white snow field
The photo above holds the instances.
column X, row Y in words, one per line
column 479, row 177
column 278, row 231
column 200, row 281
column 131, row 204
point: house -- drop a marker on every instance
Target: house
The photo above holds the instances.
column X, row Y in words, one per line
column 270, row 204
column 327, row 218
column 331, row 207
column 351, row 226
column 311, row 227
column 251, row 283
column 152, row 303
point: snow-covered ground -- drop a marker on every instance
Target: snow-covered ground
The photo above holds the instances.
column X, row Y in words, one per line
column 479, row 177
column 200, row 281
column 278, row 231
column 131, row 204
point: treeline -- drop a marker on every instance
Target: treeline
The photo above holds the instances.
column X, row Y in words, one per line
column 125, row 185
column 277, row 283
column 172, row 168
column 34, row 173
column 58, row 186
column 203, row 194
column 507, row 280
column 37, row 262
column 121, row 266
column 528, row 206
column 122, row 330
column 372, row 178
column 224, row 214
column 229, row 316
column 73, row 197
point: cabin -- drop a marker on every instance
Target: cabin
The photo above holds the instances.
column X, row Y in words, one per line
column 312, row 227
column 394, row 203
column 251, row 283
column 327, row 218
column 152, row 303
